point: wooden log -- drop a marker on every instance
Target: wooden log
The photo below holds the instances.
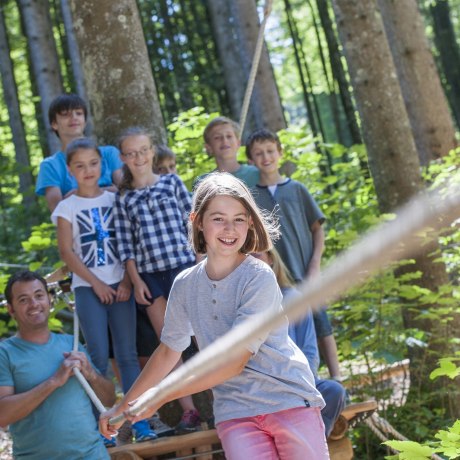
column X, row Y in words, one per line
column 339, row 429
column 340, row 449
column 167, row 445
column 205, row 450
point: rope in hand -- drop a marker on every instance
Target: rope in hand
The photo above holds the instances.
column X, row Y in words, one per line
column 254, row 67
column 86, row 386
column 389, row 242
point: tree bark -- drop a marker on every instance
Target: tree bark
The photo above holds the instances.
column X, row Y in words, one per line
column 10, row 95
column 119, row 79
column 235, row 27
column 338, row 70
column 449, row 52
column 268, row 108
column 393, row 161
column 44, row 58
column 424, row 97
column 75, row 61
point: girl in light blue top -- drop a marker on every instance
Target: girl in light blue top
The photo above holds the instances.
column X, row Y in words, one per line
column 266, row 405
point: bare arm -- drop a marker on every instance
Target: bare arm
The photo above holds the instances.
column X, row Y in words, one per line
column 14, row 407
column 53, row 196
column 64, row 234
column 141, row 291
column 318, row 248
column 117, row 176
column 145, row 382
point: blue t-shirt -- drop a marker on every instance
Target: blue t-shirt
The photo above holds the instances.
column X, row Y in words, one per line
column 54, row 173
column 61, row 427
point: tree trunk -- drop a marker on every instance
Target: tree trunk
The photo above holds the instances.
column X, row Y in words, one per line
column 423, row 94
column 393, row 159
column 266, row 98
column 10, row 95
column 119, row 80
column 44, row 58
column 75, row 61
column 339, row 71
column 235, row 27
column 449, row 51
column 220, row 12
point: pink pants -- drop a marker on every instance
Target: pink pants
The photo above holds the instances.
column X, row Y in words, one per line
column 293, row 434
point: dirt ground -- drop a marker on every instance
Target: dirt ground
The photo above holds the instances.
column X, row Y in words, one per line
column 6, row 452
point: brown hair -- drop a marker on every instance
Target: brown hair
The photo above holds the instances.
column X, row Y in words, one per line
column 81, row 143
column 64, row 103
column 217, row 122
column 24, row 276
column 127, row 178
column 162, row 152
column 263, row 229
column 261, row 135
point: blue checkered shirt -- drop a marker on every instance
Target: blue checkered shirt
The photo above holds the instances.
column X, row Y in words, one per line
column 151, row 225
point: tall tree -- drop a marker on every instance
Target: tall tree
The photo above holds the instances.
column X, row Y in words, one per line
column 338, row 70
column 449, row 52
column 236, row 26
column 10, row 94
column 393, row 158
column 426, row 104
column 75, row 62
column 45, row 62
column 119, row 79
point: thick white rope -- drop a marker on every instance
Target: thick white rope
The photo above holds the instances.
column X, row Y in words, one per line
column 86, row 386
column 254, row 67
column 389, row 242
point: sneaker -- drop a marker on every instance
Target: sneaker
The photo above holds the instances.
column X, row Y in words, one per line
column 161, row 428
column 142, row 431
column 112, row 442
column 189, row 422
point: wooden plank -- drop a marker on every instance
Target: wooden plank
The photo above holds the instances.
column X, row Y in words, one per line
column 169, row 444
column 352, row 410
column 125, row 456
column 205, row 449
column 340, row 449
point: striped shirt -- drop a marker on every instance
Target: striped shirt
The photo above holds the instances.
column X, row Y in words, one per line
column 151, row 225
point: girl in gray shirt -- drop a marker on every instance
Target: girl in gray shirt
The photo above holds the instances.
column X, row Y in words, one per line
column 266, row 405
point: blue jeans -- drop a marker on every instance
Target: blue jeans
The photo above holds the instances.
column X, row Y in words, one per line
column 334, row 396
column 95, row 320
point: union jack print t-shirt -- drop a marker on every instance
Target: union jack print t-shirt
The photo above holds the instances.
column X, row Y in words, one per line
column 93, row 234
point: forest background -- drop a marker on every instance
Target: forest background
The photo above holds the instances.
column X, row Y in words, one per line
column 365, row 96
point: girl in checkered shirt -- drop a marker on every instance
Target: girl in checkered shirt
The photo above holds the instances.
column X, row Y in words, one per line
column 151, row 215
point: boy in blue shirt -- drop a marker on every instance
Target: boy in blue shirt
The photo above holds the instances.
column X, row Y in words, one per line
column 302, row 237
column 67, row 115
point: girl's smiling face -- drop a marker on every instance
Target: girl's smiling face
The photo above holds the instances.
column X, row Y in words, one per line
column 225, row 225
column 85, row 166
column 137, row 152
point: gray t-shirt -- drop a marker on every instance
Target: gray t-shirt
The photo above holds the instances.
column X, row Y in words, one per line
column 277, row 377
column 297, row 211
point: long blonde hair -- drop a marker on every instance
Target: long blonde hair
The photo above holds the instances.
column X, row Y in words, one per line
column 282, row 274
column 263, row 228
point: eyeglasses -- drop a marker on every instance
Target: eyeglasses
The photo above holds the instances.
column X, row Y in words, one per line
column 141, row 153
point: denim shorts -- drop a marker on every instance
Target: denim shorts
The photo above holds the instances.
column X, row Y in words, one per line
column 160, row 283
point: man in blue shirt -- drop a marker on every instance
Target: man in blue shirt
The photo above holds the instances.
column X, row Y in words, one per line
column 49, row 414
column 67, row 114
